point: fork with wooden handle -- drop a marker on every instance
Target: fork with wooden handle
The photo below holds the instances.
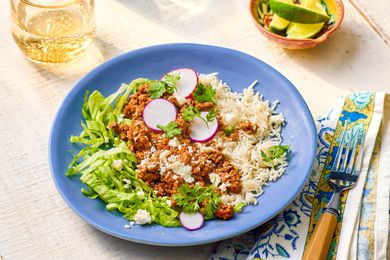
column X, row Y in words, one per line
column 344, row 175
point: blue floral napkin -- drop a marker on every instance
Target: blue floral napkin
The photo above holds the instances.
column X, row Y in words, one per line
column 362, row 229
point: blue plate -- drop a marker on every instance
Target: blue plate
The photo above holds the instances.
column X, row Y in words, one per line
column 239, row 70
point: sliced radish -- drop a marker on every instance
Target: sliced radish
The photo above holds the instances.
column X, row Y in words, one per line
column 191, row 221
column 187, row 82
column 159, row 112
column 200, row 131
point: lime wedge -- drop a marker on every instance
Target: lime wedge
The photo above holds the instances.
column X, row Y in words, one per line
column 300, row 31
column 297, row 13
column 278, row 25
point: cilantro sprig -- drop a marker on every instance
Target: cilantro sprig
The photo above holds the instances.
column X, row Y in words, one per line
column 210, row 116
column 276, row 151
column 203, row 199
column 204, row 93
column 171, row 80
column 171, row 129
column 157, row 89
column 168, row 85
column 191, row 112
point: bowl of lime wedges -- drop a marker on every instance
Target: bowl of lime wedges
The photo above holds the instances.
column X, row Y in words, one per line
column 297, row 24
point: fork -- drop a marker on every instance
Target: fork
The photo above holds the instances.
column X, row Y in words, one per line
column 343, row 176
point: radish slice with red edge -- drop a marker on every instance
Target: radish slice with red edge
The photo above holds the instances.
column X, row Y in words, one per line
column 191, row 221
column 200, row 131
column 187, row 83
column 159, row 112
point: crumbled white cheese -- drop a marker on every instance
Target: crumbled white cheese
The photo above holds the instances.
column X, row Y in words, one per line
column 249, row 185
column 132, row 223
column 142, row 217
column 184, row 171
column 141, row 194
column 127, row 226
column 206, row 149
column 172, row 158
column 230, row 118
column 144, row 161
column 174, row 142
column 163, row 170
column 153, row 149
column 222, row 187
column 215, row 179
column 225, row 199
column 117, row 164
column 189, row 149
column 164, row 154
column 169, row 202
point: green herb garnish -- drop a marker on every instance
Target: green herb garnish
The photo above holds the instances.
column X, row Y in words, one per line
column 229, row 130
column 191, row 112
column 171, row 81
column 204, row 93
column 191, row 199
column 158, row 88
column 170, row 129
column 276, row 152
column 210, row 116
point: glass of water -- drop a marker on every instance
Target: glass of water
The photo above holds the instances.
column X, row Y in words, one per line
column 53, row 31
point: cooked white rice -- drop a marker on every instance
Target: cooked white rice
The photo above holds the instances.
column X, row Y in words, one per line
column 245, row 153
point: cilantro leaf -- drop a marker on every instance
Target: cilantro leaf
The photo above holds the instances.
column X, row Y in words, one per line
column 170, row 129
column 203, row 199
column 157, row 89
column 171, row 82
column 204, row 93
column 265, row 157
column 190, row 112
column 210, row 116
column 229, row 130
column 276, row 151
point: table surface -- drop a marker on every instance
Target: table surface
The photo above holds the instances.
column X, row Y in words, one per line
column 35, row 222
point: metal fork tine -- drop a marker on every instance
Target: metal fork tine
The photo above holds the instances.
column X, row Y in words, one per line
column 353, row 154
column 337, row 159
column 359, row 160
column 346, row 156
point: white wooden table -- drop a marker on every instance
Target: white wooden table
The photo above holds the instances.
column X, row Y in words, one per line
column 35, row 222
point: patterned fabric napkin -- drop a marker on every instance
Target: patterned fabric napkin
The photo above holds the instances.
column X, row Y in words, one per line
column 363, row 226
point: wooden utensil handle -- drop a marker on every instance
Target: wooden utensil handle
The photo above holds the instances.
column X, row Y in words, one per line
column 320, row 240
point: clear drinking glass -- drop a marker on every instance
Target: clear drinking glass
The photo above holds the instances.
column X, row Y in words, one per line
column 53, row 31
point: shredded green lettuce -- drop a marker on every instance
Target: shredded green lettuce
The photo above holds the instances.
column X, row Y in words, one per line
column 107, row 166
